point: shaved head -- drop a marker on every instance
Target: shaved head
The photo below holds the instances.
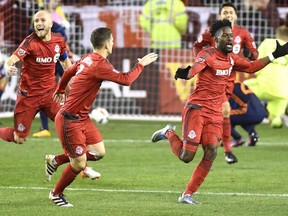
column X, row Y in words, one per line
column 43, row 24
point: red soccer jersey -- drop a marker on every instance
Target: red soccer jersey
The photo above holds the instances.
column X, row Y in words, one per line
column 38, row 63
column 213, row 69
column 90, row 71
column 241, row 39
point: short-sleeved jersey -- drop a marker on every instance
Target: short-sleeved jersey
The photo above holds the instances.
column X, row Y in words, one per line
column 38, row 63
column 90, row 71
column 241, row 38
column 213, row 69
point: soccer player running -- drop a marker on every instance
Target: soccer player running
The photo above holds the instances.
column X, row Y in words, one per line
column 39, row 53
column 241, row 39
column 202, row 119
column 80, row 138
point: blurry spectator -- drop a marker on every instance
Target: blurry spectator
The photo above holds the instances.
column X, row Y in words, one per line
column 166, row 21
column 246, row 111
column 58, row 15
column 270, row 83
column 3, row 78
column 261, row 17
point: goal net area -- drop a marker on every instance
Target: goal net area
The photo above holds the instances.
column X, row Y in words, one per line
column 139, row 27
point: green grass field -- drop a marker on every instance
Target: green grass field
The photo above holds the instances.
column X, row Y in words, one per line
column 144, row 178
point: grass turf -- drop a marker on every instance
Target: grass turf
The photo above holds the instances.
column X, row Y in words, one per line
column 144, row 178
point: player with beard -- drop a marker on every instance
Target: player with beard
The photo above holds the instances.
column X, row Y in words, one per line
column 39, row 53
column 202, row 119
column 241, row 39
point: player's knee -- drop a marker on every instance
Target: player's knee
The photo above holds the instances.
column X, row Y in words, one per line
column 187, row 156
column 97, row 154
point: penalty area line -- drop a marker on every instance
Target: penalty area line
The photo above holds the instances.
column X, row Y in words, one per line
column 144, row 191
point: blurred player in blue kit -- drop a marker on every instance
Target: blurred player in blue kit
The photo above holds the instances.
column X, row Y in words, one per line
column 246, row 111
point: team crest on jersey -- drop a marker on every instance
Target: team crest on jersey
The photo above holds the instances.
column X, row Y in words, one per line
column 20, row 127
column 57, row 48
column 237, row 39
column 21, row 52
column 79, row 150
column 192, row 134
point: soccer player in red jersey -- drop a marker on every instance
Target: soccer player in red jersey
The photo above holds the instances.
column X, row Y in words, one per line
column 80, row 138
column 39, row 53
column 241, row 39
column 202, row 120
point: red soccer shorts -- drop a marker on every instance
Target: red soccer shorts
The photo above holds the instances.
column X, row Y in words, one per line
column 75, row 135
column 27, row 107
column 199, row 127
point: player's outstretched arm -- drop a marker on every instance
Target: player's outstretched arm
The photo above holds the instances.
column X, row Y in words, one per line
column 9, row 65
column 148, row 59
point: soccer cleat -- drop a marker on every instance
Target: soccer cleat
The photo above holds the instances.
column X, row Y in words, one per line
column 42, row 133
column 253, row 139
column 50, row 168
column 187, row 199
column 160, row 134
column 236, row 143
column 230, row 158
column 88, row 172
column 59, row 200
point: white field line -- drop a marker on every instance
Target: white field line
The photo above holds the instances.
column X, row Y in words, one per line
column 142, row 191
column 149, row 141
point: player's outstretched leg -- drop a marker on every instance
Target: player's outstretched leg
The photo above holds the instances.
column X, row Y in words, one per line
column 160, row 134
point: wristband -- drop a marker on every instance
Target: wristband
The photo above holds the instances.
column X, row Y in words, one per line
column 271, row 57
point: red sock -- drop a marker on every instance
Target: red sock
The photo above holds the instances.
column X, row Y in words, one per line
column 175, row 143
column 68, row 176
column 61, row 159
column 198, row 176
column 7, row 134
column 226, row 135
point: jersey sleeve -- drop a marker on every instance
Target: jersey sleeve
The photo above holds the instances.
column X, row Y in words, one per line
column 23, row 49
column 67, row 75
column 242, row 65
column 200, row 64
column 202, row 42
column 249, row 43
column 106, row 71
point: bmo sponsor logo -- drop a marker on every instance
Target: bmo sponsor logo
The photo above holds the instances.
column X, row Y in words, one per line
column 224, row 72
column 43, row 60
column 48, row 59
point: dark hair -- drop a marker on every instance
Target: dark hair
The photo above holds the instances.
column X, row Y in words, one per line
column 227, row 4
column 218, row 25
column 99, row 36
